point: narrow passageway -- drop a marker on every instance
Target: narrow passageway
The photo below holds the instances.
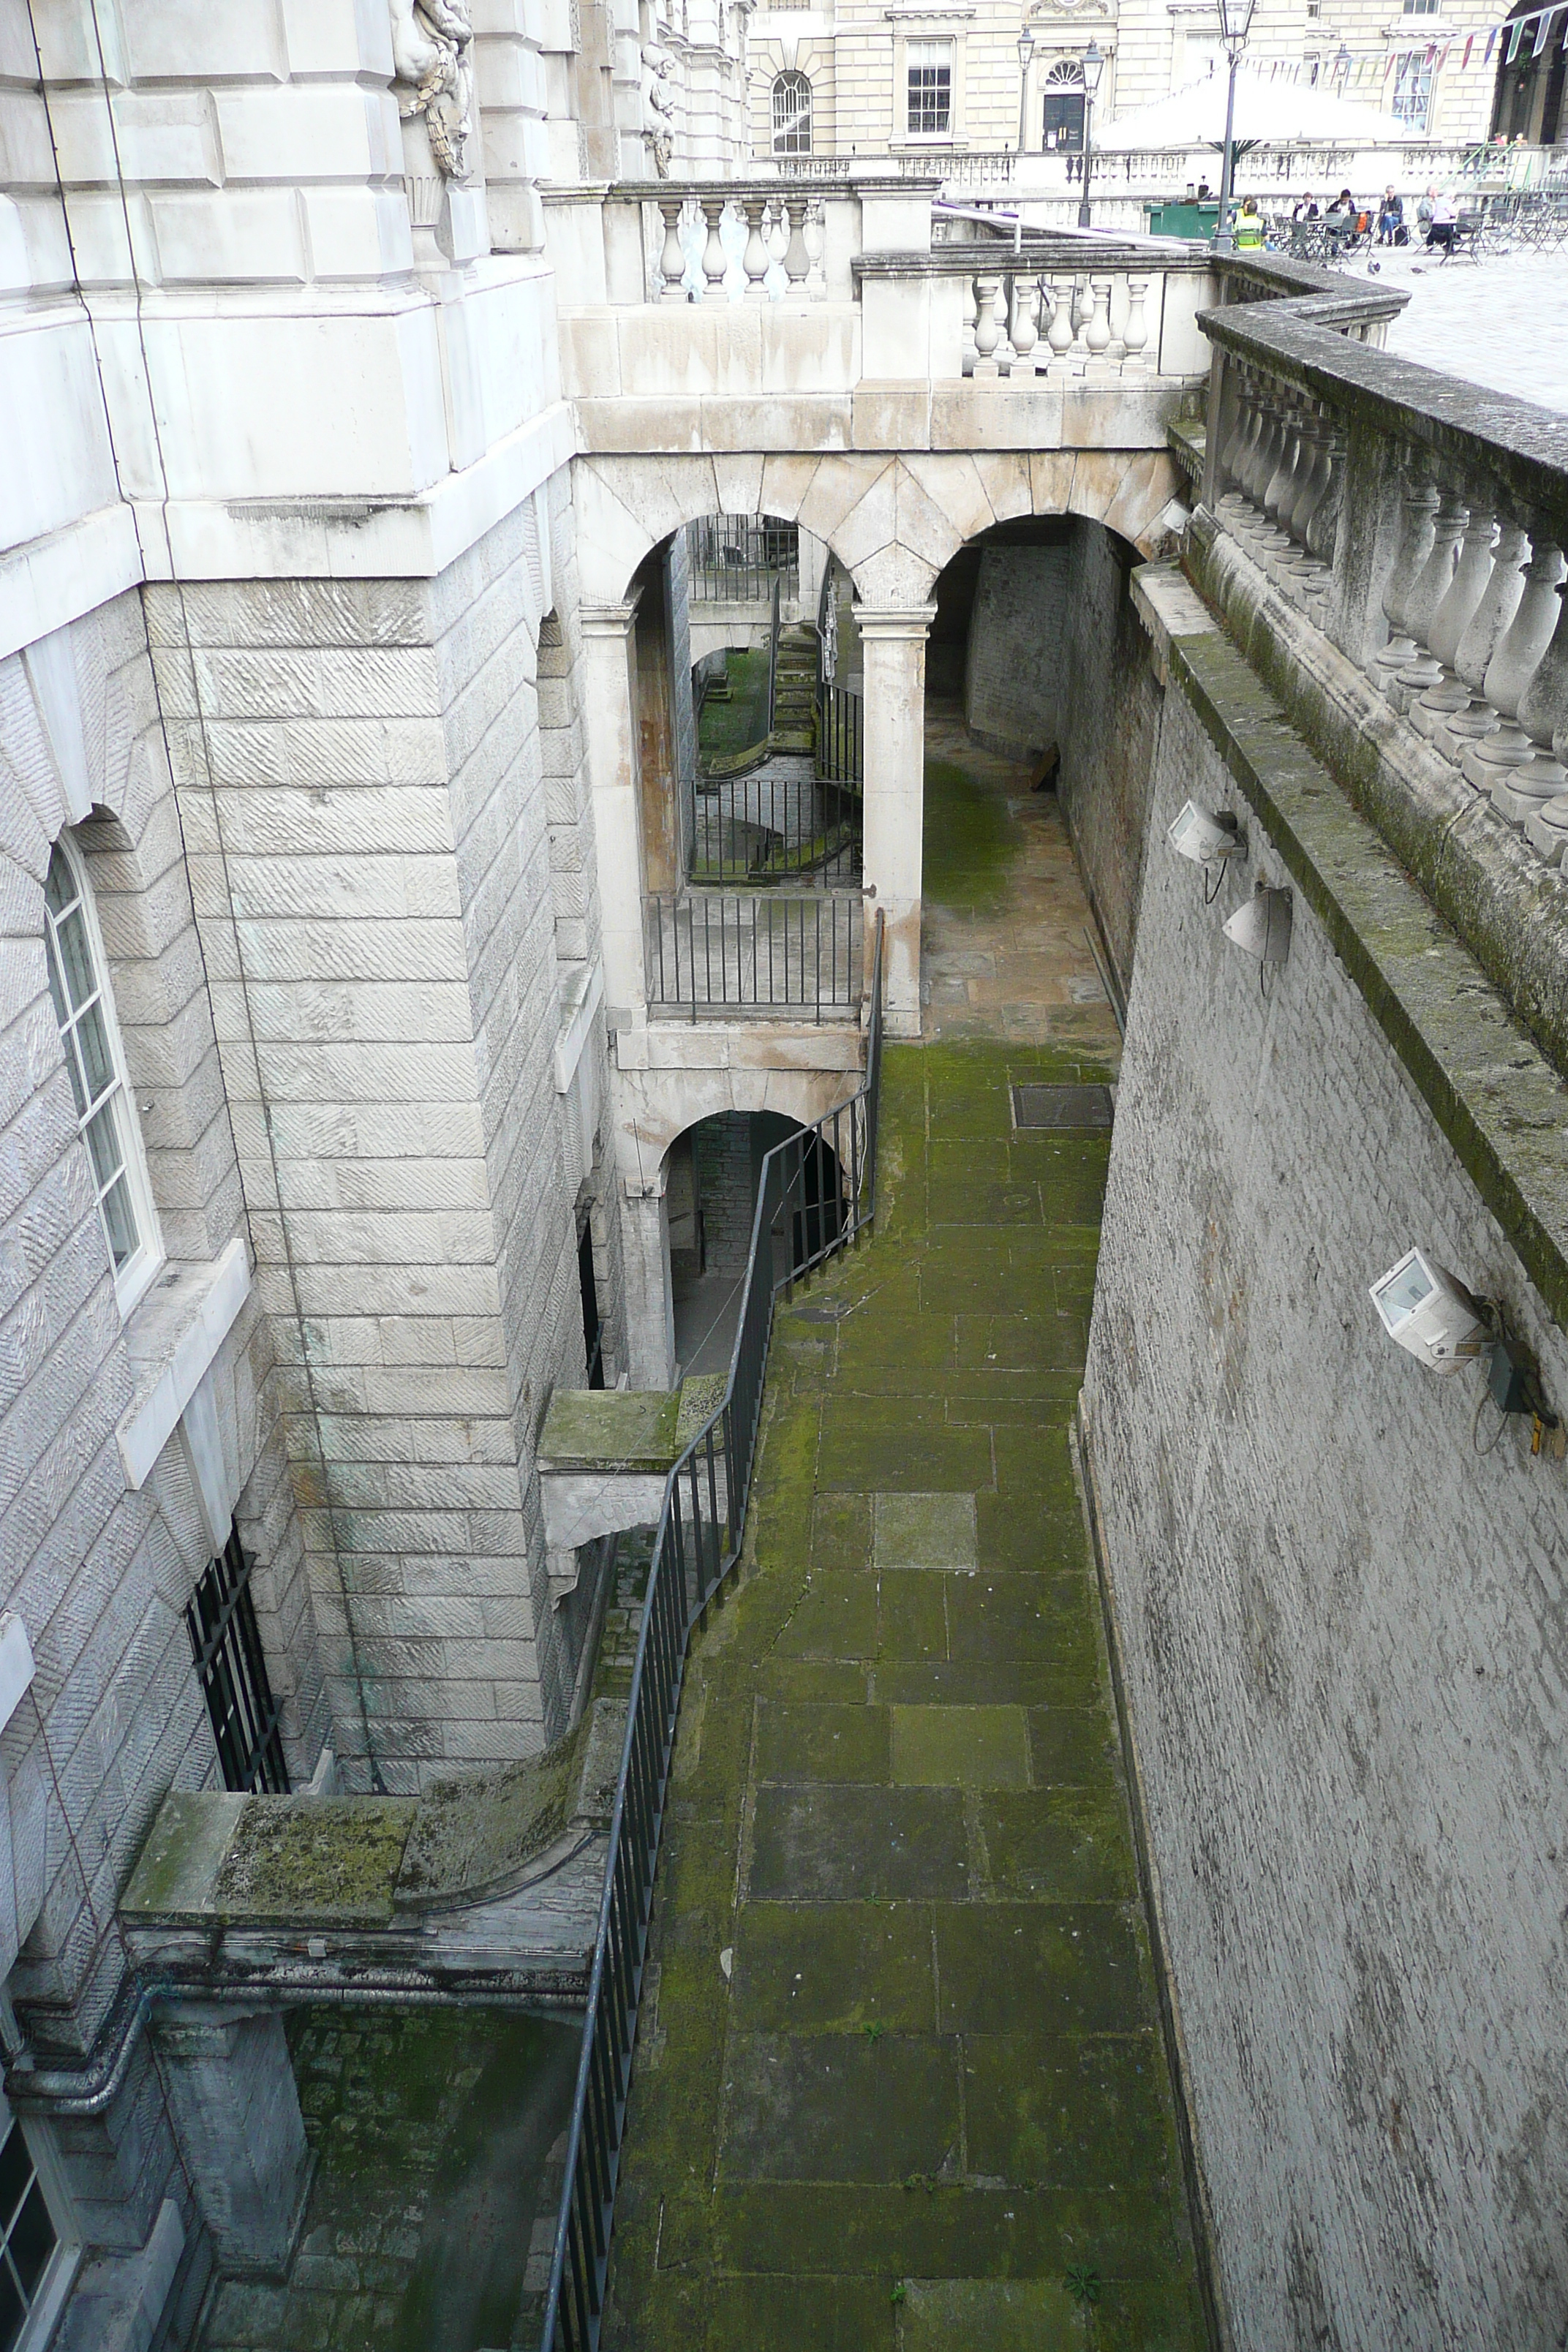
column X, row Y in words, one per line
column 900, row 2080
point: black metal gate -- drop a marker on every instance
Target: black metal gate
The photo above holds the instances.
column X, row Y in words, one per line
column 227, row 1647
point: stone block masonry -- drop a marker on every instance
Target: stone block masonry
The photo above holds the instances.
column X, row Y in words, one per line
column 1018, row 634
column 370, row 823
column 1338, row 1579
column 1108, row 745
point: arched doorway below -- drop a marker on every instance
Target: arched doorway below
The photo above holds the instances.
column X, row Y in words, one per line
column 712, row 1177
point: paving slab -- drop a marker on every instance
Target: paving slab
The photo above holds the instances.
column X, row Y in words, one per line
column 901, row 2077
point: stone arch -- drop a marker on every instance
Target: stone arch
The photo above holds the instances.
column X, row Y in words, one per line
column 892, row 522
column 656, row 1108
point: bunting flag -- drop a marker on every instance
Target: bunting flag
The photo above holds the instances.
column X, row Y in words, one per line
column 1388, row 65
column 1542, row 29
column 1431, row 53
column 1514, row 40
column 1491, row 44
column 1443, row 55
column 1469, row 45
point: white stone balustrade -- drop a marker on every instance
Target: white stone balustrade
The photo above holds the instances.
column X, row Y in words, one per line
column 789, row 289
column 1453, row 600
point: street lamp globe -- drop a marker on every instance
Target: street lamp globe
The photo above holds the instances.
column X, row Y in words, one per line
column 1025, row 51
column 1094, row 66
column 1235, row 23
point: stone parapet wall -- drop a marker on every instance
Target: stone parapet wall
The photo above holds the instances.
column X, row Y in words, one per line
column 1111, row 706
column 1337, row 1579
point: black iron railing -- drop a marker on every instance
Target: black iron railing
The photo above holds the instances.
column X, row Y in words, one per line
column 735, row 951
column 771, row 704
column 818, row 1190
column 841, row 736
column 774, row 827
column 737, row 559
column 226, row 1643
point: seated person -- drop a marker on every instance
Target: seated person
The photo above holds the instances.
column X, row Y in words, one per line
column 1424, row 213
column 1444, row 221
column 1305, row 208
column 1390, row 218
column 1340, row 217
column 1248, row 223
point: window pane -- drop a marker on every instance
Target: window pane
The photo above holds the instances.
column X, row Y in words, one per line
column 33, row 2241
column 67, row 1039
column 16, row 2173
column 119, row 1222
column 103, row 1143
column 12, row 2311
column 92, row 1038
column 60, row 884
column 57, row 985
column 77, row 958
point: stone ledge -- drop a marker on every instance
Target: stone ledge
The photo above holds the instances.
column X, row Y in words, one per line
column 1490, row 1090
column 172, row 1339
column 1508, row 908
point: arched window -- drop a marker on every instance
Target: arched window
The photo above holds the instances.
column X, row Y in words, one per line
column 1063, row 125
column 85, row 1012
column 792, row 114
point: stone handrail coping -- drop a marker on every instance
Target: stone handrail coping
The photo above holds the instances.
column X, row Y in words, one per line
column 217, row 1861
column 645, row 1430
column 1475, row 432
column 651, row 192
column 1045, row 249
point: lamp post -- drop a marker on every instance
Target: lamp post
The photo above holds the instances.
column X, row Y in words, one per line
column 1235, row 24
column 1094, row 66
column 1025, row 51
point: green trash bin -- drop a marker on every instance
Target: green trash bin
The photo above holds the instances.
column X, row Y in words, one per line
column 1185, row 218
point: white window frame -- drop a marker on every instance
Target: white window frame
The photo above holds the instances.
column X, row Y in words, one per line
column 132, row 1278
column 55, row 2283
column 1423, row 76
column 782, row 132
column 913, row 63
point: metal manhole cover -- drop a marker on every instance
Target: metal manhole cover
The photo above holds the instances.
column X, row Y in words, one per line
column 1061, row 1106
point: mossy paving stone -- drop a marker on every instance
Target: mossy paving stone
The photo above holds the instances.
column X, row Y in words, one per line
column 931, row 2060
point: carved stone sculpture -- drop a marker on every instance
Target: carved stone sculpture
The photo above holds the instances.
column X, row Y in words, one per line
column 659, row 107
column 432, row 53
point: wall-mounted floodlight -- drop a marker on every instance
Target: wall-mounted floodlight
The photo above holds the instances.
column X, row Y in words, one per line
column 1262, row 928
column 1427, row 1311
column 1206, row 840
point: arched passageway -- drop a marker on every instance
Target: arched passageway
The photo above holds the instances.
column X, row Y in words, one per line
column 713, row 1174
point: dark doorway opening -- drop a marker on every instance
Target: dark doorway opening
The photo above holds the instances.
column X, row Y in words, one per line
column 592, row 1322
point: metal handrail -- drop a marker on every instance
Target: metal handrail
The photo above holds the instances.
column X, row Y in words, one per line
column 819, row 1188
column 772, row 705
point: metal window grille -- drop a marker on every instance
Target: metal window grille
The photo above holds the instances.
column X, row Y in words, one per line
column 28, row 2235
column 930, row 68
column 792, row 114
column 232, row 1670
column 82, row 1010
column 736, row 559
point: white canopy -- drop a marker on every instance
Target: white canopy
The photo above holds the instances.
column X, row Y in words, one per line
column 1275, row 110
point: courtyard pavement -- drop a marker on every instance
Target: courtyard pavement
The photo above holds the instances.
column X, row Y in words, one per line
column 900, row 2083
column 1501, row 322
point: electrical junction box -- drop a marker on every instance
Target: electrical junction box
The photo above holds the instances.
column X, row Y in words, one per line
column 1509, row 1378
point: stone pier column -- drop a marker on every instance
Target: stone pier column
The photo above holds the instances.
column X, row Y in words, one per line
column 650, row 1307
column 610, row 714
column 893, row 651
column 231, row 2092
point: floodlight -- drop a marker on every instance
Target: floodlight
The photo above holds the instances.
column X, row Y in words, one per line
column 1262, row 928
column 1428, row 1312
column 1203, row 838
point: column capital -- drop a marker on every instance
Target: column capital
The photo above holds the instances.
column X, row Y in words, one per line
column 894, row 620
column 609, row 620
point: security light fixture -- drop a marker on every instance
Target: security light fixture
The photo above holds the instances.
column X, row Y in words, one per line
column 1206, row 840
column 1428, row 1312
column 1262, row 926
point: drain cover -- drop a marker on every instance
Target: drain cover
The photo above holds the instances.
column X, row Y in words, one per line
column 1061, row 1106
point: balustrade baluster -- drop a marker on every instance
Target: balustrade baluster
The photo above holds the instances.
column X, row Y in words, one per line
column 1490, row 762
column 1097, row 332
column 1135, row 333
column 814, row 235
column 797, row 261
column 1490, row 623
column 1542, row 712
column 715, row 261
column 986, row 334
column 1446, row 692
column 1025, row 331
column 1419, row 507
column 1246, row 424
column 1422, row 605
column 672, row 259
column 1060, row 332
column 757, row 259
column 1323, row 523
column 1265, row 457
